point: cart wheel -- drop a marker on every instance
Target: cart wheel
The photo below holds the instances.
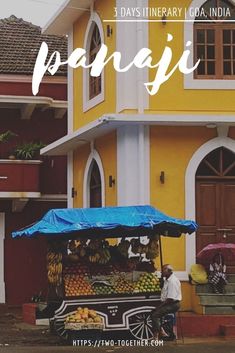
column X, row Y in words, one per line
column 60, row 330
column 140, row 326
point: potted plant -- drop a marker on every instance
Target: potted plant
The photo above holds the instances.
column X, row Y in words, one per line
column 6, row 137
column 27, row 151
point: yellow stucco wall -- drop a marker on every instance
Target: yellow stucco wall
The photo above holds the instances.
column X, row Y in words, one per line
column 172, row 96
column 171, row 149
column 79, row 164
column 109, row 105
column 106, row 147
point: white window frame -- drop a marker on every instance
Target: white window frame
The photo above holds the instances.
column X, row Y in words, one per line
column 189, row 81
column 87, row 102
column 94, row 156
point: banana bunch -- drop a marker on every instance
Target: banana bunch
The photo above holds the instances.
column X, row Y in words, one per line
column 54, row 268
column 101, row 257
column 53, row 257
column 94, row 258
column 104, row 256
column 123, row 247
column 152, row 250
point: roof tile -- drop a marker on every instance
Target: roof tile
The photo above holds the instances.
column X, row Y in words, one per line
column 19, row 45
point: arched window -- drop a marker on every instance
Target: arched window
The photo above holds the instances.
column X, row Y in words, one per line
column 214, row 40
column 219, row 164
column 95, row 43
column 95, row 186
column 93, row 87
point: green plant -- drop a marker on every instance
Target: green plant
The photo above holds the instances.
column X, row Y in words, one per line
column 28, row 150
column 6, row 136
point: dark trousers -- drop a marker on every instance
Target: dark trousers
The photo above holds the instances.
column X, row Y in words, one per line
column 158, row 313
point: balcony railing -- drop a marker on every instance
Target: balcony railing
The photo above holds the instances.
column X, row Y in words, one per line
column 19, row 178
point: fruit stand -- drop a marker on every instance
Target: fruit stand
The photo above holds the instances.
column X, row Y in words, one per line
column 102, row 266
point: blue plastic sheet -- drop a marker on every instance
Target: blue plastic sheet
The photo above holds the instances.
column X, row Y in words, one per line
column 107, row 221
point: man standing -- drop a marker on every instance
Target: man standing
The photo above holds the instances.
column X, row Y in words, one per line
column 170, row 299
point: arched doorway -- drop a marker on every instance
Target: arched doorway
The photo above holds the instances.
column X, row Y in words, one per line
column 95, row 188
column 215, row 198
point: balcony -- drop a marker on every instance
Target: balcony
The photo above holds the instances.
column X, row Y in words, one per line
column 19, row 179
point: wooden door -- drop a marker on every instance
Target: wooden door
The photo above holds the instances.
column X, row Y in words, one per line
column 215, row 199
column 208, row 213
column 215, row 212
column 228, row 211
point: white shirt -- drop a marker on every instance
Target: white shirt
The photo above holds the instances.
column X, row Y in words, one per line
column 171, row 289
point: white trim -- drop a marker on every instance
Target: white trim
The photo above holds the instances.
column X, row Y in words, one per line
column 108, row 123
column 190, row 193
column 19, row 195
column 94, row 156
column 2, row 236
column 171, row 119
column 66, row 15
column 222, row 130
column 50, row 102
column 20, row 161
column 87, row 102
column 51, row 23
column 189, row 81
column 182, row 275
column 52, row 198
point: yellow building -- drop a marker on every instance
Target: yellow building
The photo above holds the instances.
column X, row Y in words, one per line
column 173, row 150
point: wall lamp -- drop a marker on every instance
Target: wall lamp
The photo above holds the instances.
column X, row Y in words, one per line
column 73, row 192
column 162, row 177
column 111, row 181
column 109, row 31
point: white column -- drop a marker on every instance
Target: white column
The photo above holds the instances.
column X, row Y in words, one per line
column 130, row 38
column 133, row 165
column 2, row 236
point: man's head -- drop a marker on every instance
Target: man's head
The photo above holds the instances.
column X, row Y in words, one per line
column 167, row 270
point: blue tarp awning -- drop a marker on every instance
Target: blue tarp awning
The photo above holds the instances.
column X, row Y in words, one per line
column 107, row 221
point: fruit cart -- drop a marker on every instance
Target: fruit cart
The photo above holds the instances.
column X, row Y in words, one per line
column 99, row 283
